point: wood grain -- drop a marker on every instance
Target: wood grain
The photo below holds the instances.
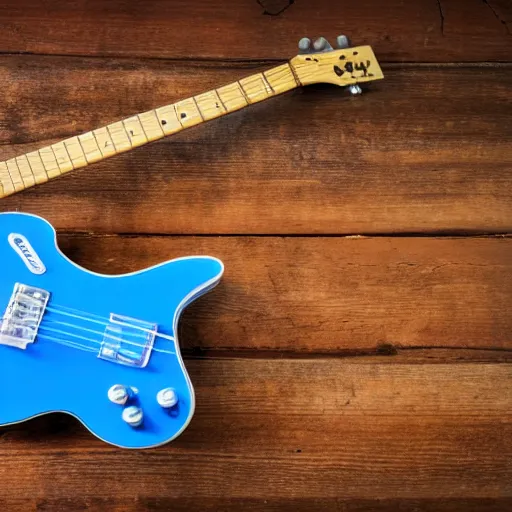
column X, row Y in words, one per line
column 331, row 295
column 290, row 434
column 76, row 152
column 424, row 30
column 333, row 373
column 186, row 504
column 427, row 150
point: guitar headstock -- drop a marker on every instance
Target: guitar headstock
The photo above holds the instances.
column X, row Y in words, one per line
column 319, row 62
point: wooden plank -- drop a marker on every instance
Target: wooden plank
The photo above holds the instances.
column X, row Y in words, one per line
column 187, row 504
column 426, row 150
column 290, row 433
column 424, row 30
column 332, row 295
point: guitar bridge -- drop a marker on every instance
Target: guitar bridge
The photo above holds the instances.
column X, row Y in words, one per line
column 128, row 341
column 21, row 319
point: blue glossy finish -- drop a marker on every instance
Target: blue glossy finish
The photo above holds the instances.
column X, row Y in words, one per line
column 51, row 376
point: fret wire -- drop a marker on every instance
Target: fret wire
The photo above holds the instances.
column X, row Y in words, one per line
column 110, row 135
column 8, row 175
column 31, row 170
column 18, row 169
column 97, row 143
column 38, row 155
column 55, row 156
column 83, row 151
column 111, row 138
column 69, row 156
column 8, row 170
column 267, row 82
column 292, row 69
column 220, row 99
column 142, row 126
column 127, row 134
column 177, row 115
column 31, row 177
column 198, row 109
column 242, row 90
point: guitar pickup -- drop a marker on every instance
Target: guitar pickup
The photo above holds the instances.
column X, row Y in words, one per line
column 21, row 319
column 128, row 341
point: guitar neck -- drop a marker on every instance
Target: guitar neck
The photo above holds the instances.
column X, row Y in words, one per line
column 57, row 159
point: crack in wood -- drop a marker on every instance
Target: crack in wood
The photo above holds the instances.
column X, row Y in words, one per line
column 441, row 14
column 275, row 7
column 497, row 16
column 383, row 351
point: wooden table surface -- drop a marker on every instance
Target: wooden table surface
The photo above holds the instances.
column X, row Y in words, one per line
column 357, row 354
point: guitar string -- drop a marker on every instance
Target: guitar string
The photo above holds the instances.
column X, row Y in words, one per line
column 85, row 348
column 67, row 343
column 86, row 316
column 76, row 311
column 78, row 328
column 43, row 325
column 110, row 336
column 85, row 329
column 105, row 324
column 82, row 346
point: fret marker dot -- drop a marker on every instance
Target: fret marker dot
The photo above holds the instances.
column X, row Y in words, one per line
column 164, row 122
column 183, row 115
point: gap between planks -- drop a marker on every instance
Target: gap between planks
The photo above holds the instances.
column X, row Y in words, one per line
column 200, row 61
column 442, row 234
column 385, row 353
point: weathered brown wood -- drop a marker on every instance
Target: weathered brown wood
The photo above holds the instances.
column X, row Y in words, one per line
column 24, row 171
column 181, row 504
column 332, row 373
column 322, row 432
column 347, row 295
column 424, row 30
column 426, row 150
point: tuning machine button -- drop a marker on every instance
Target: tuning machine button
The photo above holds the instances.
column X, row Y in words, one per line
column 119, row 394
column 167, row 398
column 304, row 44
column 133, row 416
column 321, row 44
column 354, row 89
column 342, row 42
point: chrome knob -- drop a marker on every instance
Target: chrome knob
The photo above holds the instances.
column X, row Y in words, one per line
column 342, row 42
column 320, row 44
column 167, row 398
column 133, row 415
column 119, row 394
column 355, row 89
column 304, row 44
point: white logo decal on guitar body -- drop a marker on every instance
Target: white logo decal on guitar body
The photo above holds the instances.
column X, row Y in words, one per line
column 25, row 251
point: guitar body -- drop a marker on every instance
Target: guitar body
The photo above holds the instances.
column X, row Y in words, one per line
column 70, row 336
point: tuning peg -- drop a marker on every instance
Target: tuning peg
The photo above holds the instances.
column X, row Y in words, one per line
column 342, row 42
column 354, row 89
column 321, row 44
column 304, row 45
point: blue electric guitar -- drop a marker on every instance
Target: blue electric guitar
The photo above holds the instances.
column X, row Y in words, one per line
column 101, row 348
